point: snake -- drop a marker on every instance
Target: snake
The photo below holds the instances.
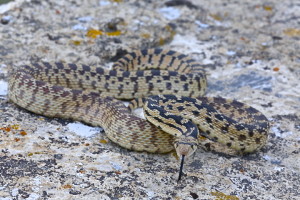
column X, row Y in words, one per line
column 169, row 85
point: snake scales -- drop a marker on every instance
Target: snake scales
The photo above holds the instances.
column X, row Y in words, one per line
column 90, row 94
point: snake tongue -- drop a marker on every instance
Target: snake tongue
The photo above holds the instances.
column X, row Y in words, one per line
column 181, row 168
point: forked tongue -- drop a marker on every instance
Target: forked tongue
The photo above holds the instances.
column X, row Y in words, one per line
column 181, row 168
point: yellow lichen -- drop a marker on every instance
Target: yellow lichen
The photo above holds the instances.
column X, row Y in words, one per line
column 222, row 196
column 35, row 153
column 216, row 17
column 15, row 126
column 161, row 41
column 93, row 33
column 145, row 35
column 12, row 128
column 202, row 138
column 293, row 32
column 67, row 186
column 76, row 42
column 268, row 8
column 103, row 141
column 115, row 33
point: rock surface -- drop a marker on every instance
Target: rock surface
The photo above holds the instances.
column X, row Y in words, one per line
column 250, row 50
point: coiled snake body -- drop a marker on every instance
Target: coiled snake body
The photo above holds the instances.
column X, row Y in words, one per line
column 90, row 94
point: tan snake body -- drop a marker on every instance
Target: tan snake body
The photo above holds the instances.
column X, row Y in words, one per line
column 79, row 92
column 90, row 94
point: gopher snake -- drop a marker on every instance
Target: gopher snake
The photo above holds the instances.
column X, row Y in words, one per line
column 90, row 94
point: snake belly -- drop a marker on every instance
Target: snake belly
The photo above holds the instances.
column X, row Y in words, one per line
column 89, row 94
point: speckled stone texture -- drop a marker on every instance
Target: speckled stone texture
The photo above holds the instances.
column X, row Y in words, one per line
column 250, row 50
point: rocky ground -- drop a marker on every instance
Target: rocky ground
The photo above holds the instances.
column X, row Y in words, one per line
column 250, row 51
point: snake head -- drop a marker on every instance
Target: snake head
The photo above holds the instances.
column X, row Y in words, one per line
column 185, row 146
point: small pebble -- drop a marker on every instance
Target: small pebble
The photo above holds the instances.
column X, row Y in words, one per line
column 6, row 19
column 85, row 19
column 58, row 156
column 74, row 192
column 170, row 13
column 79, row 27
